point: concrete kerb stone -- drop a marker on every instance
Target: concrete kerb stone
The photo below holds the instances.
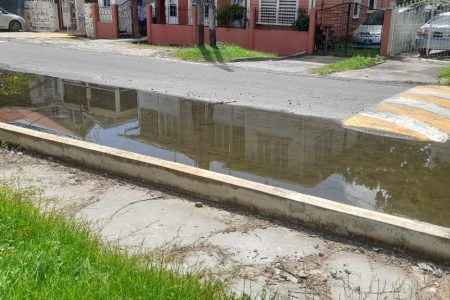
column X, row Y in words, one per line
column 415, row 237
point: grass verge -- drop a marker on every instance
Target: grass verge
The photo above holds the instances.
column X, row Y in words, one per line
column 45, row 256
column 354, row 63
column 222, row 53
column 444, row 75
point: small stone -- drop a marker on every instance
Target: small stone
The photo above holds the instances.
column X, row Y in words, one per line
column 361, row 250
column 321, row 254
column 358, row 289
column 437, row 273
column 302, row 275
column 255, row 250
column 283, row 276
column 293, row 279
column 316, row 246
column 333, row 273
column 426, row 266
column 376, row 249
column 198, row 204
column 348, row 271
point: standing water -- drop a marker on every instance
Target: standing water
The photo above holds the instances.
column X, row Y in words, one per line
column 305, row 154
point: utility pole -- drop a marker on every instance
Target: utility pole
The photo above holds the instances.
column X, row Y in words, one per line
column 212, row 24
column 201, row 19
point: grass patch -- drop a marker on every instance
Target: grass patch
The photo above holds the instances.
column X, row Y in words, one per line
column 45, row 256
column 444, row 75
column 222, row 53
column 354, row 63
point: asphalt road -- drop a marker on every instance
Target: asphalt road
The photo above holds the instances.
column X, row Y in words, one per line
column 300, row 94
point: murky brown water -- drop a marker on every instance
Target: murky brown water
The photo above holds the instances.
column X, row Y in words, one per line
column 305, row 154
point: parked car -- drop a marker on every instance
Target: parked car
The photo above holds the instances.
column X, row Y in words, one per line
column 368, row 34
column 439, row 30
column 11, row 22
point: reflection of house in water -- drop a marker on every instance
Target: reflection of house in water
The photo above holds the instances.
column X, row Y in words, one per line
column 79, row 106
column 263, row 143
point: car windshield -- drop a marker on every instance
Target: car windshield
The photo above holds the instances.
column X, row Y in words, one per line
column 440, row 20
column 375, row 18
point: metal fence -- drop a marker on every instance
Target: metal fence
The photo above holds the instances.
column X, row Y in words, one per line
column 172, row 15
column 237, row 18
column 105, row 14
column 349, row 29
column 125, row 14
column 420, row 29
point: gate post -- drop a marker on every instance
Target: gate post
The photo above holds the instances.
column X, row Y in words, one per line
column 149, row 23
column 115, row 20
column 195, row 24
column 312, row 30
column 252, row 23
column 348, row 26
column 386, row 30
column 96, row 18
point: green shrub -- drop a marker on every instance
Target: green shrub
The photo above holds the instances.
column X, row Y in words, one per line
column 227, row 14
column 302, row 23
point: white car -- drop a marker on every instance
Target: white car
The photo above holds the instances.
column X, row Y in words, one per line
column 368, row 34
column 439, row 30
column 11, row 22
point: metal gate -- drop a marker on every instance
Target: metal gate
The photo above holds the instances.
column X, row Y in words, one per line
column 420, row 29
column 125, row 12
column 348, row 29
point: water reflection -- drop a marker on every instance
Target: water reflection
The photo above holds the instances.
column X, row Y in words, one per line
column 304, row 154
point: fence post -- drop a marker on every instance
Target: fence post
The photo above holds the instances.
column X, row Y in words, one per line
column 385, row 34
column 115, row 19
column 135, row 19
column 195, row 24
column 312, row 30
column 149, row 23
column 96, row 16
column 252, row 21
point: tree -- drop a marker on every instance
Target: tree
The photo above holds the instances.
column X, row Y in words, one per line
column 212, row 24
column 201, row 18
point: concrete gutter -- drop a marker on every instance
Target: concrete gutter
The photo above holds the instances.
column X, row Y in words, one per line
column 416, row 237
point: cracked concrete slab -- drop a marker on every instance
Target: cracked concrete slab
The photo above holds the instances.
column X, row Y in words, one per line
column 251, row 255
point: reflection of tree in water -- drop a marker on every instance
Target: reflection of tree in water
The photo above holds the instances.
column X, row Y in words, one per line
column 14, row 87
column 408, row 180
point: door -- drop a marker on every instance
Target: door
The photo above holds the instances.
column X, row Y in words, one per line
column 4, row 19
column 172, row 12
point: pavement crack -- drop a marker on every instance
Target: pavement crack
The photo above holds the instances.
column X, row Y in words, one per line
column 133, row 203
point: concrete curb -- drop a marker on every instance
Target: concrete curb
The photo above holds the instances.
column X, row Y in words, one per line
column 419, row 238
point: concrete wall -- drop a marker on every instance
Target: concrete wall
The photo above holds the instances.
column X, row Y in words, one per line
column 89, row 20
column 281, row 42
column 416, row 237
column 41, row 15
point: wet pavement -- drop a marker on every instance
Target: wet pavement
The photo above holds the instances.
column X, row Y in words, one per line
column 310, row 155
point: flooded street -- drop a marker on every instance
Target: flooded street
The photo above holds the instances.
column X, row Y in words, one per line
column 305, row 154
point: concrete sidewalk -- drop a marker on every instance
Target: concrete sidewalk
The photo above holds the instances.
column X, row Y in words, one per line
column 249, row 253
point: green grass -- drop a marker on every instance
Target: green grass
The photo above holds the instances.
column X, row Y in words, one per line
column 45, row 256
column 354, row 63
column 444, row 75
column 222, row 53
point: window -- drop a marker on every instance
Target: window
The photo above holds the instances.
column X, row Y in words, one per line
column 277, row 12
column 372, row 4
column 106, row 2
column 173, row 8
column 356, row 9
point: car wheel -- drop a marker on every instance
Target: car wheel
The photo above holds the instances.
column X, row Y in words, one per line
column 15, row 26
